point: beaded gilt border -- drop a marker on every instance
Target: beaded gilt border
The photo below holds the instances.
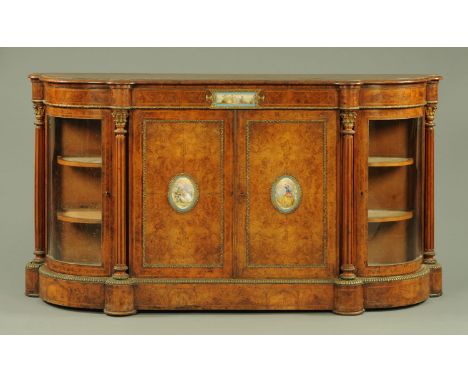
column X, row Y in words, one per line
column 220, row 263
column 44, row 271
column 324, row 195
column 425, row 270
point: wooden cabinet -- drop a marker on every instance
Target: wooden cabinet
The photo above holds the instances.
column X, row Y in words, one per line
column 234, row 192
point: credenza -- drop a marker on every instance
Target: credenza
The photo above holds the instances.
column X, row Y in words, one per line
column 234, row 192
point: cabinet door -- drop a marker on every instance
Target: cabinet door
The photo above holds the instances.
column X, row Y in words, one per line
column 78, row 180
column 181, row 193
column 286, row 194
column 389, row 203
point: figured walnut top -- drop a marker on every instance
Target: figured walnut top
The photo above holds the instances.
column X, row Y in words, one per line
column 294, row 79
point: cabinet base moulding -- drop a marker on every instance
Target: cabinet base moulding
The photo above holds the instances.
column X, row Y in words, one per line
column 126, row 297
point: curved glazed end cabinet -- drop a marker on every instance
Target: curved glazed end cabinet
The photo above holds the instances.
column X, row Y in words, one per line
column 163, row 192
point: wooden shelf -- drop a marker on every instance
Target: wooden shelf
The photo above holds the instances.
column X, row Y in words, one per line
column 382, row 216
column 82, row 215
column 389, row 161
column 89, row 162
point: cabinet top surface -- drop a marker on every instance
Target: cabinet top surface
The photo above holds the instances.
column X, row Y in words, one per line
column 167, row 78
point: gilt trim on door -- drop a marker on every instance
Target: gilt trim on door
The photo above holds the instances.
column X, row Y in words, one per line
column 324, row 263
column 220, row 263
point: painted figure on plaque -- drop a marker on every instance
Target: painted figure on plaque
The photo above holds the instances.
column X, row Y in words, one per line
column 183, row 193
column 285, row 194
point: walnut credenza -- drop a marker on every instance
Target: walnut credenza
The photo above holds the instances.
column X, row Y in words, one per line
column 163, row 192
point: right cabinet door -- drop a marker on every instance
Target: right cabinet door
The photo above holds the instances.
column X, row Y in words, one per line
column 286, row 194
column 391, row 164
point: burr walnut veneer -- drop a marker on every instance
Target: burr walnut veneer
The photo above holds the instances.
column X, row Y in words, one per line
column 163, row 192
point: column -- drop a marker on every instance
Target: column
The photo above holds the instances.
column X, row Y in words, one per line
column 32, row 268
column 429, row 254
column 349, row 292
column 348, row 120
column 435, row 278
column 120, row 260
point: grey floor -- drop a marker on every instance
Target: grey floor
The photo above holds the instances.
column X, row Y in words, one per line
column 23, row 315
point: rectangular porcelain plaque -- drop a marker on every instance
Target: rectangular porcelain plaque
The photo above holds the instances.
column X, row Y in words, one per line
column 233, row 99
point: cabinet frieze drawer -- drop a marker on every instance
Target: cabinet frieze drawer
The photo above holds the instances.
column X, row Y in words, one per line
column 237, row 97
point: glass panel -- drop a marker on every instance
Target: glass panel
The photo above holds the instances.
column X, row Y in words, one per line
column 394, row 201
column 74, row 190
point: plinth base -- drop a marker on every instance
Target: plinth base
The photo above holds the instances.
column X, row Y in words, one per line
column 125, row 297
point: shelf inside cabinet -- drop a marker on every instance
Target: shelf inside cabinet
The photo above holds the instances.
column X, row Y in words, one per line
column 389, row 161
column 89, row 162
column 80, row 215
column 382, row 216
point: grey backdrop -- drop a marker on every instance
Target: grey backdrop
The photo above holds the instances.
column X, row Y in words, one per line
column 19, row 314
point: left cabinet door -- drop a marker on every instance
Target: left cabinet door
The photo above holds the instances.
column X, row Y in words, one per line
column 78, row 197
column 181, row 182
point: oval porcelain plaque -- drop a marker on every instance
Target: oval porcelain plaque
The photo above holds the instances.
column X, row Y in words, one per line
column 183, row 193
column 286, row 194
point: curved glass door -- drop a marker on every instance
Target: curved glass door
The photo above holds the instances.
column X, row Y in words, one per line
column 74, row 190
column 394, row 194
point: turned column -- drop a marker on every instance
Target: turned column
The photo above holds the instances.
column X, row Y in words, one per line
column 349, row 104
column 348, row 120
column 32, row 268
column 349, row 293
column 119, row 292
column 429, row 252
column 39, row 184
column 120, row 263
column 120, row 295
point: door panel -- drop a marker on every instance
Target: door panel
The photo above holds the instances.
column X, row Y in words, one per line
column 286, row 219
column 388, row 198
column 78, row 174
column 182, row 215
